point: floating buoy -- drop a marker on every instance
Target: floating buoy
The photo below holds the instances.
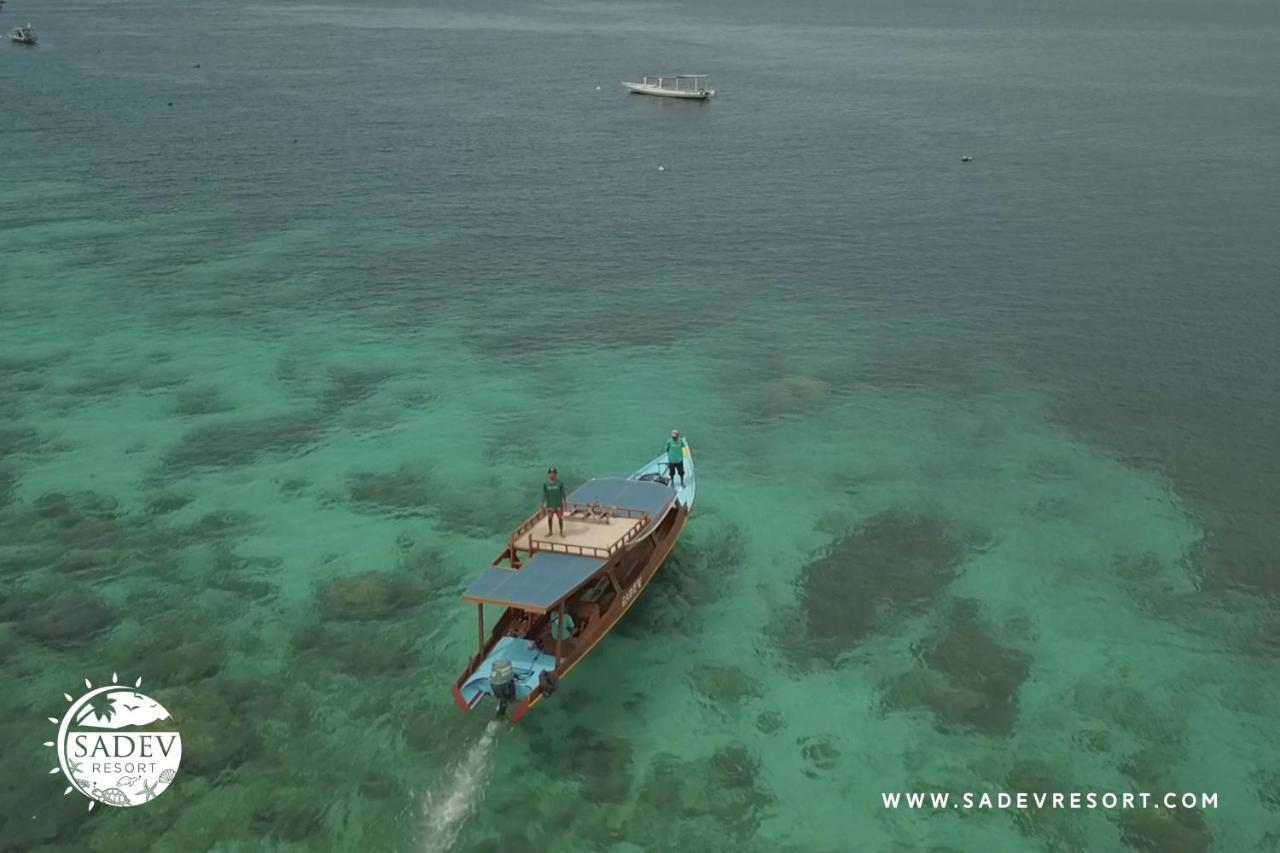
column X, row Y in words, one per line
column 662, row 168
column 966, row 159
column 597, row 88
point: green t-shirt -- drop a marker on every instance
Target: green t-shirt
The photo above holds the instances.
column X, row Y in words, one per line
column 554, row 494
column 675, row 449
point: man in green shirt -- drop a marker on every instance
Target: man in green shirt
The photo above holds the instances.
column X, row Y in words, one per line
column 675, row 457
column 553, row 499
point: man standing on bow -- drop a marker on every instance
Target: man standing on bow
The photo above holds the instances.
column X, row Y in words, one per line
column 675, row 457
column 553, row 499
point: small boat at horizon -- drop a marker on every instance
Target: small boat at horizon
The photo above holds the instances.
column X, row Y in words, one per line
column 23, row 35
column 691, row 87
column 563, row 593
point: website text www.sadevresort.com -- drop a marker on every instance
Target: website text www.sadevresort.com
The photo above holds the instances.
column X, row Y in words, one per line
column 1088, row 800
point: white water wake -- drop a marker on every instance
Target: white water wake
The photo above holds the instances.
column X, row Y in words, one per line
column 447, row 806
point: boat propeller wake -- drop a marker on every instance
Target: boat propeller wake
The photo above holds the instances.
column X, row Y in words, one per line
column 446, row 807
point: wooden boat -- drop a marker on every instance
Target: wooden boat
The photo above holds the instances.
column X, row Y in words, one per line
column 23, row 35
column 687, row 86
column 563, row 594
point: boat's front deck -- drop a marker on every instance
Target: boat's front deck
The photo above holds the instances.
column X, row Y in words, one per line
column 581, row 535
column 600, row 517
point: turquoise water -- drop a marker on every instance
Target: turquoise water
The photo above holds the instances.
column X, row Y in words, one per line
column 298, row 302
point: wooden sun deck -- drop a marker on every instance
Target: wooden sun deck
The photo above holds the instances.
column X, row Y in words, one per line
column 584, row 535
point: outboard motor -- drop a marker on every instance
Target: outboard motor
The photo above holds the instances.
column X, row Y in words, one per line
column 502, row 679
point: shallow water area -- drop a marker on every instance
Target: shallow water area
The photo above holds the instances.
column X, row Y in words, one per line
column 297, row 304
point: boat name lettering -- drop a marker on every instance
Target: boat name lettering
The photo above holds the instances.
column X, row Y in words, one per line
column 631, row 593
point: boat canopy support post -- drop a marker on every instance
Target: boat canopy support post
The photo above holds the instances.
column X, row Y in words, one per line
column 559, row 633
column 480, row 620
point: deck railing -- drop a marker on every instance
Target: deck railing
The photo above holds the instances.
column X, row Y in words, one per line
column 608, row 512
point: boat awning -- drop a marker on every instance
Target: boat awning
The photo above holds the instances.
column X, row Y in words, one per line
column 538, row 586
column 643, row 495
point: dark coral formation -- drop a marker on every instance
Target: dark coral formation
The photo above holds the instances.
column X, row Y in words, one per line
column 172, row 656
column 294, row 485
column 202, row 400
column 231, row 443
column 246, row 589
column 402, row 492
column 85, row 561
column 8, row 480
column 167, row 502
column 291, row 816
column 1120, row 706
column 485, row 509
column 770, row 722
column 1150, row 766
column 790, row 395
column 735, row 802
column 723, row 688
column 511, row 442
column 1092, row 740
column 214, row 734
column 428, row 729
column 219, row 524
column 734, row 766
column 100, row 384
column 1268, row 787
column 234, row 442
column 358, row 649
column 349, row 387
column 1165, row 831
column 895, row 564
column 941, row 370
column 820, row 754
column 34, row 817
column 1060, row 828
column 156, row 380
column 63, row 620
column 602, row 764
column 967, row 679
column 370, row 595
column 83, row 520
column 698, row 573
column 17, row 439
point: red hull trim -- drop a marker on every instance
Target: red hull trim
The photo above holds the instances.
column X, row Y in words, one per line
column 521, row 711
column 462, row 703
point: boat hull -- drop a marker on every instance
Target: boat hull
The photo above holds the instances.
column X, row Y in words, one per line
column 658, row 92
column 630, row 596
column 633, row 569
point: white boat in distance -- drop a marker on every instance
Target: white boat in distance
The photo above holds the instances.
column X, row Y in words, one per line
column 689, row 86
column 23, row 35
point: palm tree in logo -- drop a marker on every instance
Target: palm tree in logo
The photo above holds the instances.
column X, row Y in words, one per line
column 103, row 707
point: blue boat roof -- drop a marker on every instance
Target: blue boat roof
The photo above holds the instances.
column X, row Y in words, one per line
column 538, row 586
column 650, row 497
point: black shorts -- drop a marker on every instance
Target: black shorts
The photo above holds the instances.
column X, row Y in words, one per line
column 674, row 468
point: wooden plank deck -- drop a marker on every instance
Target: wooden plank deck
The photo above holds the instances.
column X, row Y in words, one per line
column 578, row 532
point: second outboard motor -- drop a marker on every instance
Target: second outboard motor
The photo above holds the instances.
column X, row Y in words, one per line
column 502, row 679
